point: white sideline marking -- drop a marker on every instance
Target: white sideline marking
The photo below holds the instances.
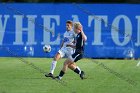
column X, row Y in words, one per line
column 138, row 63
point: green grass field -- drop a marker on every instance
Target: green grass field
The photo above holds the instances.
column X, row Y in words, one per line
column 18, row 77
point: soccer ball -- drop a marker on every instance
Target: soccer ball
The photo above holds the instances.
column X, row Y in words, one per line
column 47, row 48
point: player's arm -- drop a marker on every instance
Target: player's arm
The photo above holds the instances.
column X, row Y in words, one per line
column 62, row 44
column 84, row 37
column 74, row 41
column 72, row 46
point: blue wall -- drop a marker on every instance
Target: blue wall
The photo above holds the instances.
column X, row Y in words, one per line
column 113, row 30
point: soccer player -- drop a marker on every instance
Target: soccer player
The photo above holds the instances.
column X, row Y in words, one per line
column 69, row 37
column 80, row 42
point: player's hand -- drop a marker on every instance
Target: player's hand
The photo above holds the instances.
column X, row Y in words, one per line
column 81, row 28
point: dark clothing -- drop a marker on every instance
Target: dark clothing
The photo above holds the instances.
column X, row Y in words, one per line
column 79, row 48
column 79, row 43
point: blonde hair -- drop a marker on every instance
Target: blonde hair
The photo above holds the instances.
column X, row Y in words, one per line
column 77, row 24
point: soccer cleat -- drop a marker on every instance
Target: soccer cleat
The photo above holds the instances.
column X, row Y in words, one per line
column 49, row 75
column 82, row 75
column 57, row 77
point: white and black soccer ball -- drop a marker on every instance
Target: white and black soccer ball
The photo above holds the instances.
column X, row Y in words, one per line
column 47, row 48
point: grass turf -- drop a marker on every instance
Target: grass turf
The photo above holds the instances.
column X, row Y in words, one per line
column 18, row 77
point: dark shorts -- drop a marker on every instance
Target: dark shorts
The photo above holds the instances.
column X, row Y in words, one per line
column 76, row 56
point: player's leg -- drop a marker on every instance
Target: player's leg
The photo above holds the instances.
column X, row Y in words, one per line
column 75, row 57
column 72, row 66
column 70, row 63
column 53, row 65
column 75, row 68
column 58, row 55
column 64, row 69
column 54, row 62
column 70, row 52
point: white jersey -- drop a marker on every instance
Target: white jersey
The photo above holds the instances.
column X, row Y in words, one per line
column 68, row 37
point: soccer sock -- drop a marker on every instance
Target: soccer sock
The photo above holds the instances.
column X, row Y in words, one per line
column 77, row 70
column 61, row 74
column 53, row 66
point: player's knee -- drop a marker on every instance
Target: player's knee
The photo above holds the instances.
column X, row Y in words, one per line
column 56, row 58
column 69, row 66
column 65, row 64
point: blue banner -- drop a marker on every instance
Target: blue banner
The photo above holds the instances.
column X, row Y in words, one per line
column 113, row 30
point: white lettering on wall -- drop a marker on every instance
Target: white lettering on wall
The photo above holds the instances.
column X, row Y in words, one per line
column 20, row 29
column 75, row 18
column 127, row 30
column 97, row 28
column 138, row 34
column 3, row 27
column 51, row 26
